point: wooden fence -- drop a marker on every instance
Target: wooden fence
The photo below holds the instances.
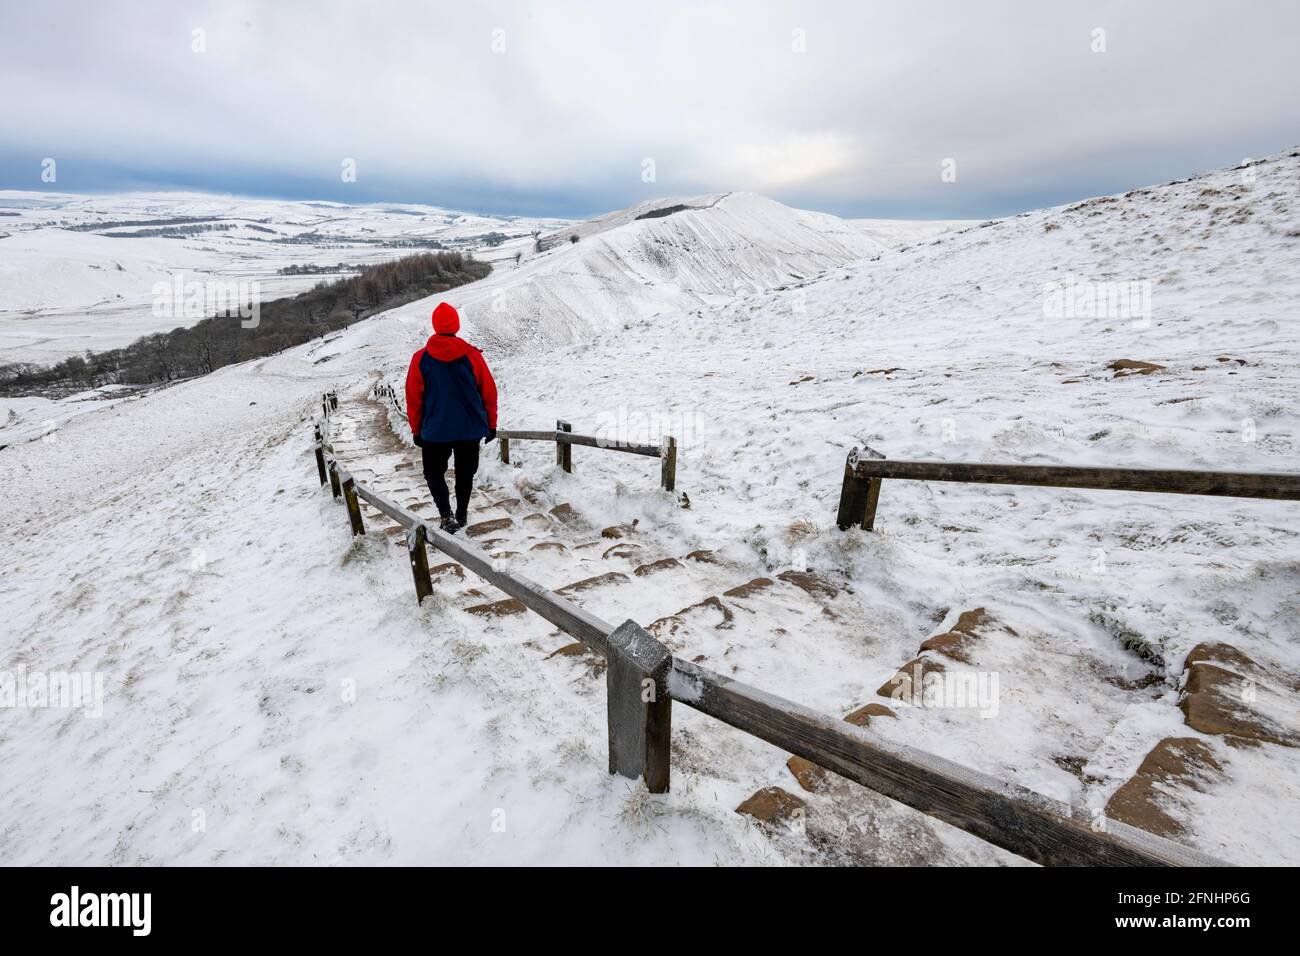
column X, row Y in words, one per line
column 565, row 439
column 643, row 679
column 866, row 469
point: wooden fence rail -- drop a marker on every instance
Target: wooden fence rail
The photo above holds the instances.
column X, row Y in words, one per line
column 865, row 470
column 565, row 439
column 643, row 679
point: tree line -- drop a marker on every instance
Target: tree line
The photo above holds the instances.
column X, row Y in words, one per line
column 223, row 340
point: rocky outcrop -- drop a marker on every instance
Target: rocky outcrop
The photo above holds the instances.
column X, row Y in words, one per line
column 1125, row 367
column 672, row 622
column 549, row 546
column 450, row 569
column 1150, row 799
column 481, row 528
column 809, row 582
column 862, row 716
column 576, row 649
column 663, row 564
column 772, row 806
column 1222, row 702
column 907, row 682
column 598, row 581
column 810, row 776
column 956, row 642
column 1224, row 694
column 502, row 608
column 749, row 588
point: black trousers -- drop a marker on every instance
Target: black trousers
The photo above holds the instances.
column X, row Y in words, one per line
column 436, row 456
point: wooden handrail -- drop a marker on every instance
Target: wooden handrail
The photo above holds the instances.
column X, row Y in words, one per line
column 589, row 441
column 527, row 436
column 1277, row 486
column 865, row 470
column 564, row 438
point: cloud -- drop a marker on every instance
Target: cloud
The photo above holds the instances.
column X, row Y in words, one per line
column 546, row 107
column 782, row 160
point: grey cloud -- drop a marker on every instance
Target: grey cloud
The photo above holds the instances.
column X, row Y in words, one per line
column 714, row 93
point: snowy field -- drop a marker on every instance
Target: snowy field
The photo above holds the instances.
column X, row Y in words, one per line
column 274, row 679
column 73, row 277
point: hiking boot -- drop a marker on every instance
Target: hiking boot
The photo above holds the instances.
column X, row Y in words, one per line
column 449, row 524
column 462, row 517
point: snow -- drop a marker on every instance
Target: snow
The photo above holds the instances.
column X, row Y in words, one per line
column 177, row 541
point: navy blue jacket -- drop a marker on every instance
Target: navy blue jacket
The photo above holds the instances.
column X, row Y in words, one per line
column 450, row 394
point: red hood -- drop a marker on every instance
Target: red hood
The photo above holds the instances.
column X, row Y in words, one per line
column 447, row 348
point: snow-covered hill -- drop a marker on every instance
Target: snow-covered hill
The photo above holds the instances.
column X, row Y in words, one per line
column 177, row 543
column 75, row 274
column 638, row 263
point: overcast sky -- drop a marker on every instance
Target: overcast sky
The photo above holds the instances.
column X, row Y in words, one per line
column 547, row 107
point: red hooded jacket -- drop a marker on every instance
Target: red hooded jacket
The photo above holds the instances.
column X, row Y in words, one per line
column 450, row 394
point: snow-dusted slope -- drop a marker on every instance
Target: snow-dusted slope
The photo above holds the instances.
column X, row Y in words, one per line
column 624, row 268
column 893, row 233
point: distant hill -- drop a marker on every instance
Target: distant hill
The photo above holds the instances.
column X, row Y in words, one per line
column 660, row 256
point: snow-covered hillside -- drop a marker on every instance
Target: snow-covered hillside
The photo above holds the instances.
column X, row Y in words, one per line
column 177, row 543
column 636, row 264
column 74, row 274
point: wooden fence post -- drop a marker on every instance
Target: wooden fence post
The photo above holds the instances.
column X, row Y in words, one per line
column 858, row 496
column 853, row 495
column 873, row 499
column 354, row 506
column 638, row 706
column 320, row 461
column 334, row 479
column 563, row 450
column 419, row 562
column 505, row 450
column 668, row 464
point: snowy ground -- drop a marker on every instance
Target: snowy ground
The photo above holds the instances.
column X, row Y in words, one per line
column 177, row 543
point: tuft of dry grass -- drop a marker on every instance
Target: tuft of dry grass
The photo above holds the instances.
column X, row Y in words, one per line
column 801, row 529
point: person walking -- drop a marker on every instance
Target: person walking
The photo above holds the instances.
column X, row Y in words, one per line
column 451, row 403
